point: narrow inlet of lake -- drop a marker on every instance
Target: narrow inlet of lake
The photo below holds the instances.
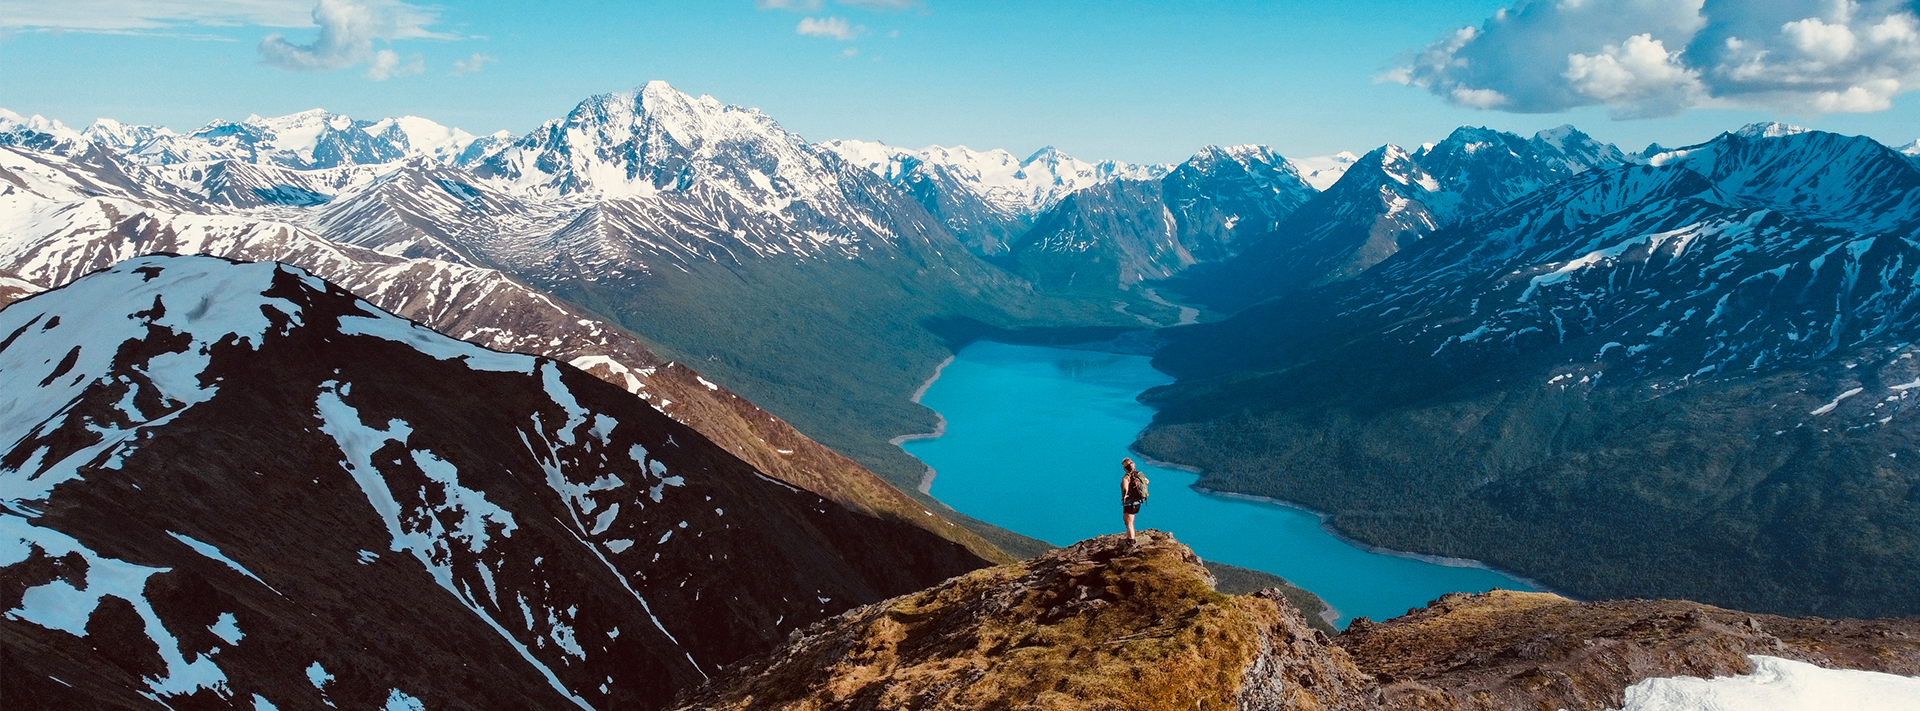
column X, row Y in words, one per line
column 1033, row 442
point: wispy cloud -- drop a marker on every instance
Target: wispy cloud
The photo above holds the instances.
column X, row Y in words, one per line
column 141, row 16
column 794, row 5
column 1646, row 58
column 348, row 29
column 463, row 67
column 832, row 27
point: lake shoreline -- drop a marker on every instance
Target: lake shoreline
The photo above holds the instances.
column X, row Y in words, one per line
column 1086, row 407
column 939, row 427
column 1326, row 524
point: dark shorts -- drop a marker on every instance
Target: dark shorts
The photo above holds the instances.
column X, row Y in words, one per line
column 1132, row 507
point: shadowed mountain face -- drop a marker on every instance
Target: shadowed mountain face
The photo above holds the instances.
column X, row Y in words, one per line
column 1388, row 200
column 1686, row 379
column 236, row 481
column 1114, row 235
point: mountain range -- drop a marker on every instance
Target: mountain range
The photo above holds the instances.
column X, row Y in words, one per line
column 1591, row 336
column 1684, row 376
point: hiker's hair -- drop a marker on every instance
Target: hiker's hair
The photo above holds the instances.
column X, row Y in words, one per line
column 1127, row 464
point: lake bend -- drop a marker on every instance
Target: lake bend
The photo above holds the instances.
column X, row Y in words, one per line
column 1032, row 442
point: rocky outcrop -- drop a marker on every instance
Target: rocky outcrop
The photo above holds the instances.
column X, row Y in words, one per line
column 1103, row 624
column 1106, row 624
column 1515, row 650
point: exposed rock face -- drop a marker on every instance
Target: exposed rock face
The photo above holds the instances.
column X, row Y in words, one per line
column 236, row 484
column 1103, row 624
column 1514, row 650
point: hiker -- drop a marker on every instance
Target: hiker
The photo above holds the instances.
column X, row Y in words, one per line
column 1133, row 492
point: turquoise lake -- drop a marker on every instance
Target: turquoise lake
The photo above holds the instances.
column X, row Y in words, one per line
column 1033, row 443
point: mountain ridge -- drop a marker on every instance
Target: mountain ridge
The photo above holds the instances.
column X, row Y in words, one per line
column 253, row 470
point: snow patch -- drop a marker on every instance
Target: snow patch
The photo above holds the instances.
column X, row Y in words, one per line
column 61, row 606
column 227, row 628
column 1777, row 685
column 1824, row 409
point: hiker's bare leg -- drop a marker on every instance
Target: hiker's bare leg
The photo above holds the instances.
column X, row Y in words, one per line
column 1129, row 518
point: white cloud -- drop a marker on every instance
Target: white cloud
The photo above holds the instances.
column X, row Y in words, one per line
column 150, row 15
column 463, row 67
column 386, row 64
column 1659, row 57
column 1638, row 77
column 833, row 27
column 348, row 29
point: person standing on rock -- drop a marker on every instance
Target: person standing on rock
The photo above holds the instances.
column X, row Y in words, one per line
column 1133, row 492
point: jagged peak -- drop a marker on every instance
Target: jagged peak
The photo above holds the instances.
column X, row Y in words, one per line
column 1394, row 163
column 1473, row 139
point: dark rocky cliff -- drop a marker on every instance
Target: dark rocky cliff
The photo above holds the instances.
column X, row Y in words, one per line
column 227, row 482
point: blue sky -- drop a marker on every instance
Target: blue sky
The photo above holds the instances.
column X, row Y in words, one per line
column 1141, row 81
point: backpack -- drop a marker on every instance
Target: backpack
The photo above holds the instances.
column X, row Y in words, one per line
column 1136, row 487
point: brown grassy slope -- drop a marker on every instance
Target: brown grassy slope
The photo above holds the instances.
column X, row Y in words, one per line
column 782, row 452
column 1103, row 624
column 1516, row 650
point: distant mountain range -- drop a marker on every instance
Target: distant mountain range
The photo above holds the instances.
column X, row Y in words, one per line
column 1492, row 346
column 1681, row 375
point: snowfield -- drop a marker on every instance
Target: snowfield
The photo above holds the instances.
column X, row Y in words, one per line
column 1778, row 685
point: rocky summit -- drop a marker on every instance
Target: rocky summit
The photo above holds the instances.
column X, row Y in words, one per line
column 1111, row 624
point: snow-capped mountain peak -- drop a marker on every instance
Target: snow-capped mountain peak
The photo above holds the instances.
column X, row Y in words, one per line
column 1769, row 129
column 124, row 137
column 308, row 140
column 36, row 122
column 418, row 136
column 655, row 138
column 1571, row 150
column 38, row 132
column 1399, row 164
column 1558, row 136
